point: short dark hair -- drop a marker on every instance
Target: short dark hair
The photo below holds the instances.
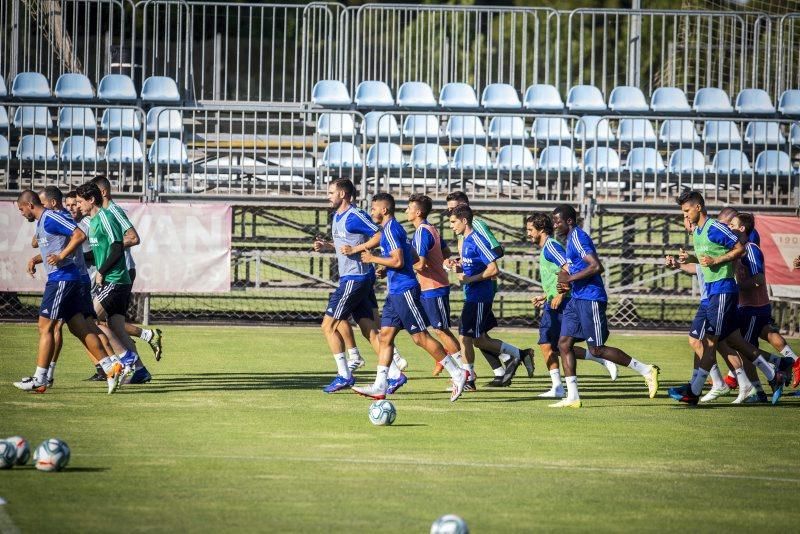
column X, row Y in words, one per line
column 566, row 212
column 728, row 213
column 385, row 197
column 424, row 203
column 462, row 211
column 51, row 192
column 747, row 220
column 90, row 191
column 71, row 194
column 693, row 197
column 346, row 185
column 29, row 196
column 102, row 183
column 541, row 221
column 458, row 196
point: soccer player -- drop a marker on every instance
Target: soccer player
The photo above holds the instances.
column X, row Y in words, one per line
column 584, row 317
column 402, row 308
column 796, row 265
column 58, row 239
column 552, row 259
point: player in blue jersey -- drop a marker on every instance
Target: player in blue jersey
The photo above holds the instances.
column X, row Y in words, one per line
column 584, row 316
column 402, row 308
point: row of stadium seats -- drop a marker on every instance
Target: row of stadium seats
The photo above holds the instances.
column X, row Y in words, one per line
column 84, row 150
column 75, row 118
column 77, row 87
column 546, row 98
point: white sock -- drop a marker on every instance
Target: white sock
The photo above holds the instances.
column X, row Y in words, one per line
column 380, row 378
column 765, row 367
column 146, row 335
column 341, row 365
column 788, row 352
column 716, row 377
column 509, row 349
column 555, row 377
column 499, row 371
column 106, row 363
column 641, row 368
column 457, row 358
column 396, row 354
column 451, row 366
column 572, row 388
column 394, row 371
column 51, row 371
column 353, row 354
column 699, row 381
column 758, row 386
column 741, row 377
column 470, row 369
column 41, row 374
column 504, row 358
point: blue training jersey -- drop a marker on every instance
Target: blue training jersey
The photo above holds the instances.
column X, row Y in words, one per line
column 580, row 245
column 476, row 255
column 352, row 227
column 394, row 237
column 53, row 232
column 79, row 259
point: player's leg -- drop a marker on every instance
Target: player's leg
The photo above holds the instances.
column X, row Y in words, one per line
column 58, row 343
column 152, row 336
column 86, row 332
column 771, row 334
column 550, row 356
column 610, row 367
column 51, row 310
column 570, row 332
column 775, row 377
column 437, row 311
column 388, row 332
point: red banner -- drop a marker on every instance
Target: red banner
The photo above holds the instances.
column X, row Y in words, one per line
column 780, row 242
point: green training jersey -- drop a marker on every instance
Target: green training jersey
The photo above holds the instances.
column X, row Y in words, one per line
column 714, row 239
column 551, row 259
column 104, row 230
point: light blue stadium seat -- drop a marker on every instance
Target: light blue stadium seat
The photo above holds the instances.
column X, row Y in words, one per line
column 32, row 117
column 789, row 104
column 754, row 101
column 3, row 89
column 550, row 129
column 5, row 151
column 79, row 149
column 77, row 119
column 794, row 134
column 594, row 129
column 644, row 160
column 74, row 86
column 773, row 163
column 36, row 148
column 585, row 98
column 636, row 131
column 731, row 162
column 168, row 151
column 30, row 85
column 124, row 150
column 678, row 132
column 385, row 156
column 421, row 127
column 669, row 100
column 543, row 97
column 472, row 158
column 515, row 158
column 116, row 87
column 330, row 93
column 3, row 119
column 721, row 132
column 458, row 96
column 428, row 156
column 341, row 154
column 164, row 121
column 373, row 94
column 507, row 129
column 687, row 161
column 117, row 120
column 379, row 125
column 601, row 159
column 557, row 159
column 336, row 125
column 500, row 96
column 764, row 133
column 627, row 99
column 711, row 100
column 160, row 89
column 415, row 95
column 465, row 128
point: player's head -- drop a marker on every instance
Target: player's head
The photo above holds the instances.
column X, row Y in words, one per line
column 103, row 185
column 461, row 219
column 28, row 204
column 726, row 215
column 693, row 205
column 564, row 219
column 744, row 224
column 456, row 198
column 382, row 207
column 88, row 196
column 51, row 197
column 419, row 207
column 71, row 204
column 341, row 191
column 538, row 225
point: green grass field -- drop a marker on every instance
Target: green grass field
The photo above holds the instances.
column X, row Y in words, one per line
column 234, row 433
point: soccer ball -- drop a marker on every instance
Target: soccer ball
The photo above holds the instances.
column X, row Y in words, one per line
column 382, row 412
column 8, row 454
column 51, row 455
column 23, row 450
column 449, row 524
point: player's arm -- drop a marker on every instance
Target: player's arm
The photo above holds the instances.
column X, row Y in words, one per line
column 75, row 241
column 733, row 254
column 423, row 242
column 131, row 238
column 393, row 261
column 446, row 252
column 722, row 235
column 32, row 263
column 754, row 263
column 371, row 243
column 593, row 267
column 34, row 242
column 490, row 272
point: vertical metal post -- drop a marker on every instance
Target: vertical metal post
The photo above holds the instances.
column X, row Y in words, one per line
column 146, row 312
column 635, row 46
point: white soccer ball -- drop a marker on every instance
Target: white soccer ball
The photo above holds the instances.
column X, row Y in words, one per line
column 8, row 454
column 382, row 412
column 23, row 450
column 449, row 524
column 51, row 455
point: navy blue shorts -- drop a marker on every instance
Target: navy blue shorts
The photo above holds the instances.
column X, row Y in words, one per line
column 62, row 300
column 752, row 320
column 404, row 310
column 550, row 324
column 476, row 319
column 86, row 297
column 722, row 318
column 698, row 328
column 437, row 311
column 352, row 298
column 585, row 320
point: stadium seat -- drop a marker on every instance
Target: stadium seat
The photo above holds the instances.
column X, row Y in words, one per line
column 500, row 96
column 458, row 96
column 507, row 129
column 789, row 103
column 168, row 151
column 594, row 129
column 74, row 86
column 471, row 158
column 116, row 120
column 636, row 131
column 77, row 119
column 794, row 134
column 32, row 117
column 336, row 125
column 731, row 162
column 3, row 118
column 557, row 159
column 378, row 124
column 421, row 127
column 721, row 132
column 644, row 160
column 343, row 155
column 124, row 150
column 712, row 100
column 585, row 98
column 550, row 129
column 385, row 156
column 601, row 159
column 754, row 101
column 3, row 89
column 669, row 100
column 30, row 85
column 5, row 151
column 79, row 149
column 428, row 156
column 415, row 95
column 764, row 133
column 515, row 158
column 773, row 163
column 117, row 88
column 160, row 89
column 627, row 99
column 330, row 93
column 678, row 132
column 465, row 128
column 164, row 121
column 542, row 97
column 687, row 161
column 373, row 94
column 35, row 148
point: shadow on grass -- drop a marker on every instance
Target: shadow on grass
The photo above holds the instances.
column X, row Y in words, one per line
column 231, row 382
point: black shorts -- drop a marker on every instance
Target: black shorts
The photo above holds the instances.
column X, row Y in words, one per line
column 132, row 274
column 114, row 298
